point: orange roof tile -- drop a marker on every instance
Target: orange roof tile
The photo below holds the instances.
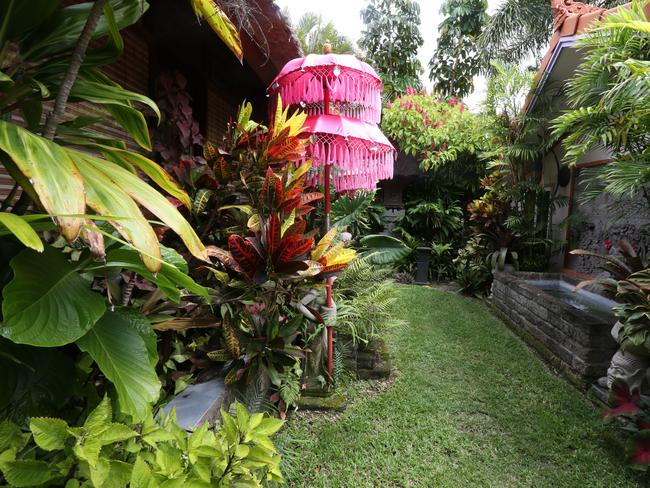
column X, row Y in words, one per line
column 571, row 19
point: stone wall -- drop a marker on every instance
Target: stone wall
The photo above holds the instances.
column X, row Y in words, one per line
column 599, row 221
column 573, row 341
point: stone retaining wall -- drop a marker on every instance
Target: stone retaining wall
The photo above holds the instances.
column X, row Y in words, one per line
column 572, row 340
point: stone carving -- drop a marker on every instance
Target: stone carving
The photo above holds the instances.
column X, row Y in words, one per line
column 564, row 8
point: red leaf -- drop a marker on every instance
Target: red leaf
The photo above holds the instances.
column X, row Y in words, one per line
column 310, row 197
column 224, row 256
column 291, row 248
column 304, row 210
column 292, row 267
column 271, row 193
column 272, row 233
column 623, row 401
column 245, row 254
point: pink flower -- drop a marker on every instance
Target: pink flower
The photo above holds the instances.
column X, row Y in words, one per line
column 608, row 244
column 389, row 105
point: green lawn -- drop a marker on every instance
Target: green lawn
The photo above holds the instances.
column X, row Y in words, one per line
column 471, row 407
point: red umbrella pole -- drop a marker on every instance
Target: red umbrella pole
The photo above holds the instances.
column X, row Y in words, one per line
column 330, row 300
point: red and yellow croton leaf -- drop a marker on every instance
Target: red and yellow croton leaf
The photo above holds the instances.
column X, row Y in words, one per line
column 272, row 193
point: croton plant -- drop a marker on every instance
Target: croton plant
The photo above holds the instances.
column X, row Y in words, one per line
column 254, row 207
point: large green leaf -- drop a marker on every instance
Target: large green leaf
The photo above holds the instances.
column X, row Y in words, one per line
column 346, row 210
column 153, row 170
column 21, row 230
column 47, row 303
column 220, row 24
column 107, row 92
column 52, row 174
column 28, row 473
column 62, row 30
column 122, row 355
column 107, row 198
column 149, row 198
column 385, row 249
column 35, row 381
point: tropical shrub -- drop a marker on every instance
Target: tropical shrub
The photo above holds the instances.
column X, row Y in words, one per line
column 437, row 132
column 107, row 453
column 471, row 270
column 53, row 161
column 430, row 222
column 71, row 276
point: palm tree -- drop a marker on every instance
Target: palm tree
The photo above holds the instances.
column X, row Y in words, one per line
column 313, row 32
column 521, row 29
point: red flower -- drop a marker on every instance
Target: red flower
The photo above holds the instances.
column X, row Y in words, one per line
column 389, row 105
column 608, row 244
column 403, row 122
column 462, row 107
column 623, row 401
column 436, row 125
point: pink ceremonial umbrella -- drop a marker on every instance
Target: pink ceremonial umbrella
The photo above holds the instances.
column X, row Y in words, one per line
column 342, row 96
column 358, row 152
column 352, row 87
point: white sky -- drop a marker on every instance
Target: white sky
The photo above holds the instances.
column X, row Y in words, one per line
column 346, row 15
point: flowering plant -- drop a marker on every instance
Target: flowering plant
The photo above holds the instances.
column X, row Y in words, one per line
column 435, row 130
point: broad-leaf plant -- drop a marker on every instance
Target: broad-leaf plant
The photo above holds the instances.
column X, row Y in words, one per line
column 85, row 281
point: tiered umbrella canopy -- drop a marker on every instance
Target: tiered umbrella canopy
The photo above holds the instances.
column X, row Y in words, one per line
column 342, row 97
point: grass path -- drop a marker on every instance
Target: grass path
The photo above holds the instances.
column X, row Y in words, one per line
column 471, row 407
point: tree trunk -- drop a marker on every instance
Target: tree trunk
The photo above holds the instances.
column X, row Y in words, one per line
column 55, row 116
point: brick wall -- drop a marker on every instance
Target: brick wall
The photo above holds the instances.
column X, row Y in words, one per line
column 219, row 111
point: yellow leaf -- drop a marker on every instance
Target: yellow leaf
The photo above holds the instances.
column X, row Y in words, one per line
column 323, row 244
column 220, row 24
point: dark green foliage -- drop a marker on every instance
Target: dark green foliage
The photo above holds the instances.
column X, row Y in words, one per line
column 391, row 41
column 429, row 222
column 520, row 29
column 457, row 59
column 35, row 381
column 359, row 214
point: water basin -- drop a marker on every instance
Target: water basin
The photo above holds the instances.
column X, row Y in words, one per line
column 592, row 303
